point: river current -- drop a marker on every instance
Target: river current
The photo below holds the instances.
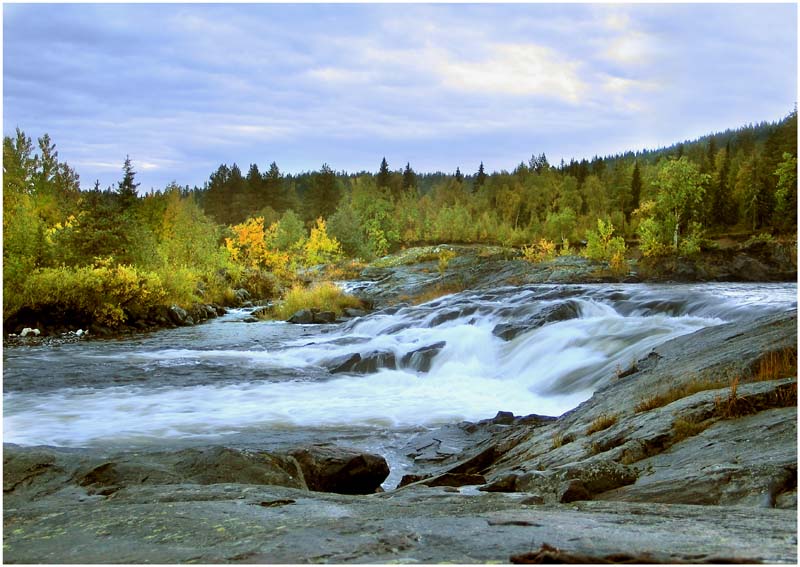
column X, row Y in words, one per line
column 532, row 349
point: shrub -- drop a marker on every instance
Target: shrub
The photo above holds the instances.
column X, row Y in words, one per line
column 320, row 248
column 102, row 291
column 603, row 246
column 541, row 251
column 444, row 260
column 324, row 296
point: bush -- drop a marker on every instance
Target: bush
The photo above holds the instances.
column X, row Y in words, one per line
column 541, row 251
column 603, row 246
column 444, row 260
column 323, row 296
column 101, row 291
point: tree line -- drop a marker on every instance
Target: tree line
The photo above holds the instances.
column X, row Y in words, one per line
column 255, row 229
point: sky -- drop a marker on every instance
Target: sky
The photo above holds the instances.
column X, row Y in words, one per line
column 183, row 88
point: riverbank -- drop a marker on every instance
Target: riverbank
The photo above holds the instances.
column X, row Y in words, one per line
column 418, row 274
column 691, row 448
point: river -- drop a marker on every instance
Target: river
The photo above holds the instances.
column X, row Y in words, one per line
column 533, row 349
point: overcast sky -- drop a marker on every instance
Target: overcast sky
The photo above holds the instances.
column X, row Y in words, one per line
column 182, row 88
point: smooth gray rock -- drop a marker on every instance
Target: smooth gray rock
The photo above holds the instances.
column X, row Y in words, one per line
column 302, row 317
column 341, row 470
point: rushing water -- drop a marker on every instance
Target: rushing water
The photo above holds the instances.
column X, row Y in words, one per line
column 271, row 383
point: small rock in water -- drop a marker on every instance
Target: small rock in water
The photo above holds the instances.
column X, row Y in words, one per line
column 27, row 331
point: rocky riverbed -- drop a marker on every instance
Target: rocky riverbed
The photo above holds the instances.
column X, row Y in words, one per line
column 688, row 455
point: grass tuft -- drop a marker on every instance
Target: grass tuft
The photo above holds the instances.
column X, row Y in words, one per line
column 560, row 439
column 604, row 421
column 677, row 392
column 683, row 428
column 775, row 365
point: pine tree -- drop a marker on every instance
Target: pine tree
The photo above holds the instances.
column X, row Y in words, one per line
column 459, row 175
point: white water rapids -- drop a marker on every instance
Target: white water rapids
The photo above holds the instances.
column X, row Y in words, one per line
column 230, row 377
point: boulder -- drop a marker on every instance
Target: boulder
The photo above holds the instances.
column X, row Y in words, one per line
column 422, row 358
column 351, row 312
column 337, row 469
column 29, row 331
column 241, row 296
column 178, row 315
column 362, row 364
column 551, row 314
column 325, row 317
column 302, row 317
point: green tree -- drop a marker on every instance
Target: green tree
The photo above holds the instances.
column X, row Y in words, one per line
column 786, row 192
column 480, row 178
column 384, row 175
column 680, row 192
column 323, row 195
column 409, row 178
column 636, row 192
column 126, row 188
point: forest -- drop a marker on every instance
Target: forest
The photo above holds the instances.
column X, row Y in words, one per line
column 109, row 250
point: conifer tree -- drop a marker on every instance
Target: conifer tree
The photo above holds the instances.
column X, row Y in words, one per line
column 636, row 192
column 409, row 177
column 126, row 189
column 384, row 175
column 480, row 177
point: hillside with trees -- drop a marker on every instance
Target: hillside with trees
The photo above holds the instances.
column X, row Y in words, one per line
column 105, row 252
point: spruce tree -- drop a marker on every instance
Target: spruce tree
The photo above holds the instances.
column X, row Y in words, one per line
column 383, row 174
column 480, row 177
column 636, row 192
column 126, row 189
column 409, row 177
column 459, row 175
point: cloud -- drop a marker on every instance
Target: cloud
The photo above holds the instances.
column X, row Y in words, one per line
column 515, row 69
column 182, row 88
column 632, row 47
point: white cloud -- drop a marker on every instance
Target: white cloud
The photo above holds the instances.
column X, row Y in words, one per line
column 516, row 69
column 633, row 47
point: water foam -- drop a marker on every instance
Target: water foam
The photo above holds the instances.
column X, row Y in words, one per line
column 548, row 367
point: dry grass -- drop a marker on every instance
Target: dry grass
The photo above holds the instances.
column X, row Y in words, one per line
column 560, row 439
column 324, row 296
column 604, row 421
column 435, row 292
column 786, row 397
column 731, row 406
column 775, row 365
column 678, row 392
column 684, row 428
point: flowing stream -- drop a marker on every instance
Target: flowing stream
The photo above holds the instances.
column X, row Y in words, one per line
column 532, row 349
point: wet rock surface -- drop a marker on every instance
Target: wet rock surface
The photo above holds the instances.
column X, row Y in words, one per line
column 708, row 476
column 237, row 523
